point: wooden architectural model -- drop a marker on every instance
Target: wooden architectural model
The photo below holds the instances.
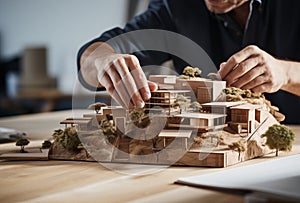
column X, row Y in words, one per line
column 169, row 130
column 192, row 122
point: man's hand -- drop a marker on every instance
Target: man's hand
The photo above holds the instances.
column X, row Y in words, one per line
column 253, row 68
column 124, row 79
column 120, row 74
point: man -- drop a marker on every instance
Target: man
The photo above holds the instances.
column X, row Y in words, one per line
column 255, row 44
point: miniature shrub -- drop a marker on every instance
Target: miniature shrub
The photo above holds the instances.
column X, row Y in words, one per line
column 279, row 137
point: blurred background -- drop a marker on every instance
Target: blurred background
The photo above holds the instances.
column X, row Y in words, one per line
column 39, row 40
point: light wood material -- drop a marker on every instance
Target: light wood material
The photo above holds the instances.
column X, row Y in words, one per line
column 32, row 154
column 70, row 181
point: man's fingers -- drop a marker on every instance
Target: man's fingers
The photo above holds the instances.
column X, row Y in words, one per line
column 262, row 88
column 258, row 81
column 128, row 85
column 126, row 80
column 119, row 86
column 237, row 58
column 108, row 84
column 241, row 69
column 124, row 83
column 248, row 77
column 139, row 77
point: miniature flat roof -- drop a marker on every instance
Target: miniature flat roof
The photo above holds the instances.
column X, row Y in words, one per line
column 172, row 91
column 224, row 104
column 163, row 76
column 76, row 121
column 196, row 79
column 246, row 106
column 176, row 133
column 201, row 115
column 112, row 107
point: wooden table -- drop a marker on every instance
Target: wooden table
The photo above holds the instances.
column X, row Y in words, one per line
column 71, row 181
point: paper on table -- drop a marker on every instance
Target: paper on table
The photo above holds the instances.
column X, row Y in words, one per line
column 279, row 177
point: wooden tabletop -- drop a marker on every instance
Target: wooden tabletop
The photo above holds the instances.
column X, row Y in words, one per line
column 72, row 181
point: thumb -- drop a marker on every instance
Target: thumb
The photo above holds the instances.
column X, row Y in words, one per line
column 152, row 86
column 222, row 71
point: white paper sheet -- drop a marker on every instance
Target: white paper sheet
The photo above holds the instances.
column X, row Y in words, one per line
column 278, row 176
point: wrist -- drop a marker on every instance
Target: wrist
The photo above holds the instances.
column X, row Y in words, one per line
column 285, row 66
column 292, row 84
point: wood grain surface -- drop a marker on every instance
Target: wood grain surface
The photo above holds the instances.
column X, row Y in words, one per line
column 74, row 181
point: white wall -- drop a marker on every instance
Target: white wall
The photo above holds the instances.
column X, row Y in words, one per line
column 62, row 25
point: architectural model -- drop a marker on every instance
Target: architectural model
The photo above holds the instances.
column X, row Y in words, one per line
column 188, row 121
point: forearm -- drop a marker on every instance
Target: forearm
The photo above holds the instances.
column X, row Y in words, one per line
column 88, row 68
column 293, row 77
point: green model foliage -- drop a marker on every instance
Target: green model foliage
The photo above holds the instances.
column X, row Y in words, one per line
column 279, row 137
column 237, row 94
column 137, row 115
column 182, row 102
column 238, row 146
column 234, row 94
column 191, row 72
column 46, row 144
column 184, row 77
column 140, row 118
column 107, row 128
column 196, row 106
column 67, row 138
column 22, row 142
column 213, row 76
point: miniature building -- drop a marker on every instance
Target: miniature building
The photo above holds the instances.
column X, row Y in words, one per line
column 221, row 107
column 164, row 82
column 165, row 99
column 109, row 113
column 260, row 114
column 204, row 94
column 201, row 120
column 184, row 134
column 205, row 90
column 244, row 115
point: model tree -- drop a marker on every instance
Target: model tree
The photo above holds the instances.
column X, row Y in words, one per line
column 67, row 138
column 97, row 106
column 196, row 106
column 213, row 76
column 279, row 137
column 238, row 146
column 46, row 144
column 107, row 129
column 22, row 142
column 191, row 72
column 139, row 118
column 182, row 102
